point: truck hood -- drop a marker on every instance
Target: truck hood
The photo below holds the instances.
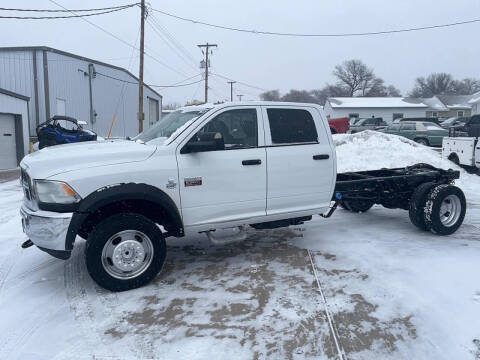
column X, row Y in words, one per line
column 59, row 159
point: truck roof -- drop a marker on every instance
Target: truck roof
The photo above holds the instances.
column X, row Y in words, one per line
column 246, row 103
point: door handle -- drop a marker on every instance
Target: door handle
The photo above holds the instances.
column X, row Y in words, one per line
column 252, row 162
column 6, row 134
column 321, row 157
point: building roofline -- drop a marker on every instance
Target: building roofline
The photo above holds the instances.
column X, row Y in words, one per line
column 65, row 53
column 14, row 94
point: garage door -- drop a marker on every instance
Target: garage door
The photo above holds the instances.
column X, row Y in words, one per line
column 8, row 150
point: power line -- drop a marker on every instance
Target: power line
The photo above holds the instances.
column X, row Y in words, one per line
column 76, row 10
column 119, row 39
column 179, row 84
column 261, row 32
column 174, row 41
column 64, row 16
column 240, row 82
column 153, row 27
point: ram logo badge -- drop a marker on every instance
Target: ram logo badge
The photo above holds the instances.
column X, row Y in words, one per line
column 171, row 184
column 193, row 181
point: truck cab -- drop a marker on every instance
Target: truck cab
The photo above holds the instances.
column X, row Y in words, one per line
column 199, row 169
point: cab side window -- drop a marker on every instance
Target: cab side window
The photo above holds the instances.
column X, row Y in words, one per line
column 408, row 127
column 238, row 128
column 291, row 126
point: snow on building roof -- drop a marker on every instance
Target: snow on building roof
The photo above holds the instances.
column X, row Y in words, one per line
column 475, row 98
column 376, row 102
column 456, row 101
column 434, row 103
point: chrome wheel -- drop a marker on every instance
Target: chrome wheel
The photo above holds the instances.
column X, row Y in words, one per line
column 450, row 210
column 127, row 254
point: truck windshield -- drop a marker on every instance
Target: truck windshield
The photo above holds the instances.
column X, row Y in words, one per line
column 168, row 125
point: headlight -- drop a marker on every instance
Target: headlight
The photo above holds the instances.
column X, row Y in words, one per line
column 55, row 192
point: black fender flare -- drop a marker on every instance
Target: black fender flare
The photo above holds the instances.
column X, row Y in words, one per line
column 118, row 192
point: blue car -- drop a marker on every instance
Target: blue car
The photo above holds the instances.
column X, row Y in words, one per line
column 62, row 130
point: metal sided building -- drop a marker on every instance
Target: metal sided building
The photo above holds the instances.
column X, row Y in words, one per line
column 54, row 82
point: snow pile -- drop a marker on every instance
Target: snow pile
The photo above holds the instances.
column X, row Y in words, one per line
column 371, row 150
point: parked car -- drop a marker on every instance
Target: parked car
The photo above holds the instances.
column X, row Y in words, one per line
column 339, row 125
column 206, row 173
column 354, row 120
column 425, row 133
column 419, row 119
column 368, row 124
column 453, row 121
column 471, row 127
column 63, row 130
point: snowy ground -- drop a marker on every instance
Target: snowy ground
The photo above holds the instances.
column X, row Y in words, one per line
column 391, row 291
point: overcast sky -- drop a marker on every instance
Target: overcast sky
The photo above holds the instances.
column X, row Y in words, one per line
column 265, row 61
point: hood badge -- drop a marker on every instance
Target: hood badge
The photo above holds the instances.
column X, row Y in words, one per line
column 171, row 184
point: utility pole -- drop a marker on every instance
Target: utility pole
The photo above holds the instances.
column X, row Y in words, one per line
column 239, row 97
column 141, row 115
column 91, row 74
column 206, row 46
column 231, row 89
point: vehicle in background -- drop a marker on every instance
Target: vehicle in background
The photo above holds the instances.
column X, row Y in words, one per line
column 354, row 120
column 420, row 119
column 339, row 125
column 453, row 121
column 470, row 128
column 368, row 124
column 463, row 151
column 63, row 130
column 425, row 133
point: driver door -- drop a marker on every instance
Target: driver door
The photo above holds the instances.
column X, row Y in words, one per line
column 227, row 184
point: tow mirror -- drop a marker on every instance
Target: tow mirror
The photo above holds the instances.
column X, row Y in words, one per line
column 209, row 141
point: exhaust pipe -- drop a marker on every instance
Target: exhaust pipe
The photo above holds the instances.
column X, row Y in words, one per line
column 27, row 244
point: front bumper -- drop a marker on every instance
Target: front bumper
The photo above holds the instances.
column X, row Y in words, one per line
column 47, row 230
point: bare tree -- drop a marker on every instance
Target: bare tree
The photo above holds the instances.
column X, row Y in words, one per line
column 321, row 95
column 272, row 95
column 392, row 91
column 354, row 75
column 466, row 86
column 299, row 96
column 376, row 88
column 433, row 84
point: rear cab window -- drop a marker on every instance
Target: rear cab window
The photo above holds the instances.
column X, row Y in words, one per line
column 290, row 126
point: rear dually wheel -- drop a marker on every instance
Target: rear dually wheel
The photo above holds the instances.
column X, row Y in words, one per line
column 445, row 209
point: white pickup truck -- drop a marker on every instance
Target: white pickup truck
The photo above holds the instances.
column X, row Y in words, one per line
column 464, row 151
column 208, row 168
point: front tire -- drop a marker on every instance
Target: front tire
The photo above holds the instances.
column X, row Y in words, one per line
column 125, row 251
column 445, row 209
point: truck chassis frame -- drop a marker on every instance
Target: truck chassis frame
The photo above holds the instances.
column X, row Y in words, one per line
column 392, row 188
